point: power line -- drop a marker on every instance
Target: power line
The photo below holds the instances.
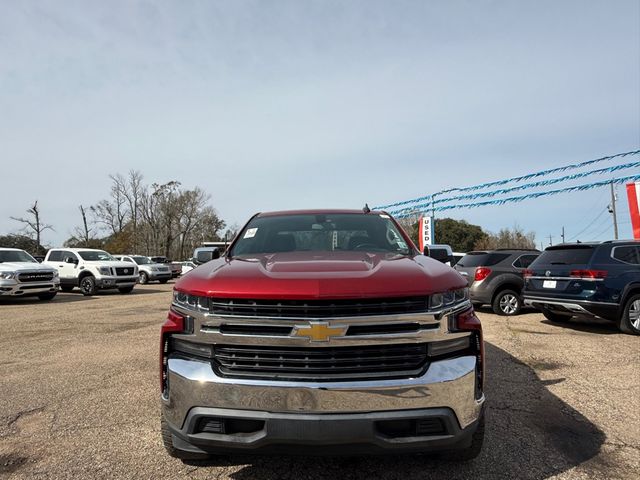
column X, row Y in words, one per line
column 588, row 226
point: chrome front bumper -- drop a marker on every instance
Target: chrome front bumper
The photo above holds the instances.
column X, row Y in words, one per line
column 446, row 385
column 115, row 282
column 12, row 288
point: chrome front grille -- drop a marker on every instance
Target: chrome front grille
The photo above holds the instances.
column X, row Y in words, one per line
column 317, row 308
column 320, row 364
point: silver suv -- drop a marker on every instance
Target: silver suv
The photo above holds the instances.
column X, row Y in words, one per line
column 149, row 271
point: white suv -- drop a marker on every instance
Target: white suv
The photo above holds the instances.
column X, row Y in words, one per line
column 21, row 275
column 91, row 270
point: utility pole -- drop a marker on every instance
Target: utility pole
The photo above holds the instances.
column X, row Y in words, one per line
column 550, row 241
column 562, row 235
column 612, row 210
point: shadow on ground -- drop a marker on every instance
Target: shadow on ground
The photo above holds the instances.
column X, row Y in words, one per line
column 531, row 434
column 587, row 325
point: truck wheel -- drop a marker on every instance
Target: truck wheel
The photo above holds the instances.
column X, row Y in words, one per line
column 143, row 278
column 88, row 285
column 66, row 288
column 629, row 321
column 555, row 317
column 172, row 451
column 126, row 289
column 506, row 302
column 47, row 296
column 476, row 444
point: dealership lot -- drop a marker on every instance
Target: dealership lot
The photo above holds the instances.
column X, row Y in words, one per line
column 79, row 399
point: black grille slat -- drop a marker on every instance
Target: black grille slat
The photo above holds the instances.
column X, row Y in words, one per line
column 379, row 361
column 120, row 271
column 318, row 308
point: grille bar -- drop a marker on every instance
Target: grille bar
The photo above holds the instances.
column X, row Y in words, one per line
column 377, row 361
column 27, row 277
column 317, row 308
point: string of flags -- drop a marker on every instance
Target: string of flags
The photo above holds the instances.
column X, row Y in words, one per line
column 430, row 201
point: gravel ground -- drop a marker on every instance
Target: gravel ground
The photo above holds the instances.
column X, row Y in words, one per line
column 79, row 399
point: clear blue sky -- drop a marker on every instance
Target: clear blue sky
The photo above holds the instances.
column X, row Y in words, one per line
column 293, row 104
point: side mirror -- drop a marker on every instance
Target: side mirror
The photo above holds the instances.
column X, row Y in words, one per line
column 71, row 260
column 438, row 253
column 204, row 256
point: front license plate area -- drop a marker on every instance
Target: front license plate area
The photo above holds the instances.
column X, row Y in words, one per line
column 549, row 284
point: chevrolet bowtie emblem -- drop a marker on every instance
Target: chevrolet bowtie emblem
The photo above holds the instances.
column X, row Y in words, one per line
column 319, row 332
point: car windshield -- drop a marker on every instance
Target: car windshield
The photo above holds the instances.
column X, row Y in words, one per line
column 96, row 255
column 142, row 260
column 19, row 256
column 321, row 232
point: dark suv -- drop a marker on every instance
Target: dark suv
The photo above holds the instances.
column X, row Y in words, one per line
column 588, row 279
column 495, row 278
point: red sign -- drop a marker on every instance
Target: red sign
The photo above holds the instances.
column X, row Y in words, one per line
column 633, row 193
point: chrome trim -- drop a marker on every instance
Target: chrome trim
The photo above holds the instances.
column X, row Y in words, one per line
column 449, row 383
column 537, row 277
column 560, row 301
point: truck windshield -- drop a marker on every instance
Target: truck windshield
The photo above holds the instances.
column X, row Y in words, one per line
column 96, row 255
column 16, row 256
column 321, row 232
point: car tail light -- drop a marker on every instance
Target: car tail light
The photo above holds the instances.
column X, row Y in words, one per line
column 526, row 273
column 482, row 273
column 467, row 321
column 588, row 273
column 174, row 324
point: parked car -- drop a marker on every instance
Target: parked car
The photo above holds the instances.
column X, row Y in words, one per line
column 588, row 280
column 176, row 267
column 187, row 267
column 21, row 276
column 324, row 331
column 205, row 254
column 91, row 270
column 148, row 270
column 495, row 277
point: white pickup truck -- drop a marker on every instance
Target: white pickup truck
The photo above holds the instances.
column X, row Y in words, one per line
column 91, row 270
column 21, row 276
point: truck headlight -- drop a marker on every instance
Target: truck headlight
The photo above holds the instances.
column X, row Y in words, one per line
column 448, row 299
column 190, row 302
column 7, row 275
column 104, row 270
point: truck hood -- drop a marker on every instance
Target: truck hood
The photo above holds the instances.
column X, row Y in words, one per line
column 24, row 266
column 316, row 275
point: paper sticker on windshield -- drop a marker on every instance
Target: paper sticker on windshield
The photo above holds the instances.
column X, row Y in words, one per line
column 382, row 215
column 250, row 233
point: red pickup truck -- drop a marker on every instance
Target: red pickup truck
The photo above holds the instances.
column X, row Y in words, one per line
column 322, row 331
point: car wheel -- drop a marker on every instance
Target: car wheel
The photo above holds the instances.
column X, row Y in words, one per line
column 630, row 320
column 126, row 289
column 88, row 285
column 143, row 278
column 47, row 296
column 507, row 302
column 555, row 317
column 66, row 288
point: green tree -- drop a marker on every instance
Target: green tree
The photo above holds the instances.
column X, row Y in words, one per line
column 515, row 237
column 23, row 242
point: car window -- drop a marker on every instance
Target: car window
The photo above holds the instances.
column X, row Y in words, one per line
column 482, row 259
column 573, row 255
column 524, row 261
column 70, row 255
column 55, row 256
column 627, row 254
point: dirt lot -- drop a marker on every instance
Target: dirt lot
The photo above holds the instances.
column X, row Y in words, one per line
column 79, row 399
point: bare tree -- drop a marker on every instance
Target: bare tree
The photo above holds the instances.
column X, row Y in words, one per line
column 34, row 225
column 83, row 233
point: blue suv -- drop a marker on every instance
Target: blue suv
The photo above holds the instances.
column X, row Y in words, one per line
column 587, row 279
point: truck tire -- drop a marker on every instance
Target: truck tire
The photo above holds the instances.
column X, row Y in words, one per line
column 47, row 296
column 507, row 303
column 172, row 451
column 143, row 278
column 88, row 285
column 629, row 321
column 126, row 289
column 477, row 441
